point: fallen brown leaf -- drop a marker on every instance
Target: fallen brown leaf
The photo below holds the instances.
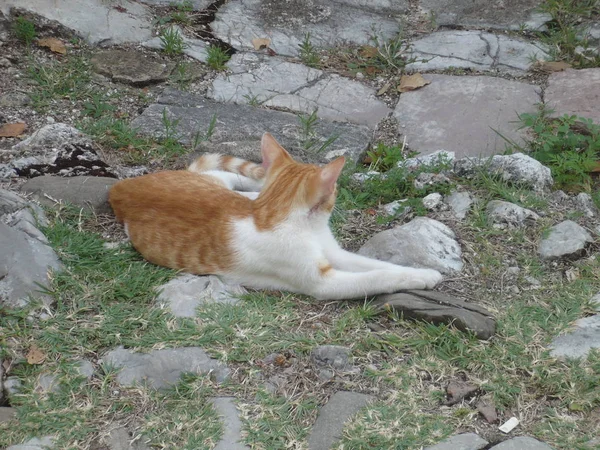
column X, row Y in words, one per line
column 12, row 129
column 412, row 82
column 552, row 66
column 384, row 88
column 35, row 355
column 459, row 390
column 368, row 51
column 55, row 45
column 259, row 43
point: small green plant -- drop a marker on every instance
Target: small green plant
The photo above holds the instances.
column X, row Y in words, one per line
column 97, row 106
column 199, row 137
column 384, row 157
column 181, row 75
column 308, row 137
column 253, row 100
column 217, row 57
column 308, row 53
column 569, row 145
column 172, row 41
column 24, row 30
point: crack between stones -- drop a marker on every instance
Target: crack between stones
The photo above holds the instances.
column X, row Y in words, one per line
column 453, row 57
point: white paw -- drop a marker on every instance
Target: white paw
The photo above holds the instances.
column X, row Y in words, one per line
column 410, row 278
column 429, row 278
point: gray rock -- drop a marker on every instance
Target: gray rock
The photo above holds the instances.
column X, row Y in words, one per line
column 96, row 21
column 432, row 159
column 85, row 368
column 194, row 48
column 232, row 425
column 239, row 128
column 465, row 441
column 439, row 308
column 275, row 82
column 432, row 201
column 286, row 22
column 421, row 243
column 49, row 137
column 196, row 5
column 522, row 443
column 428, row 117
column 505, row 214
column 564, row 239
column 393, row 207
column 132, row 67
column 184, row 294
column 7, row 414
column 331, row 419
column 161, row 368
column 48, row 382
column 334, row 356
column 14, row 99
column 24, row 221
column 595, row 302
column 24, row 264
column 584, row 203
column 460, row 203
column 476, row 50
column 509, row 15
column 85, row 192
column 12, row 386
column 11, row 202
column 46, row 442
column 362, row 177
column 119, row 438
column 517, row 168
column 7, row 171
column 430, row 179
column 565, row 96
column 578, row 342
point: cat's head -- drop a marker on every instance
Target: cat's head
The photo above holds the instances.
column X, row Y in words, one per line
column 299, row 185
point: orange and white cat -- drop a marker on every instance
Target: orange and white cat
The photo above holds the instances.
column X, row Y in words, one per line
column 278, row 238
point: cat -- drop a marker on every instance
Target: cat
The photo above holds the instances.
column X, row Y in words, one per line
column 273, row 234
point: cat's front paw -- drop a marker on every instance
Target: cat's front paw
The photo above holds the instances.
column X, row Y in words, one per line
column 429, row 277
column 418, row 278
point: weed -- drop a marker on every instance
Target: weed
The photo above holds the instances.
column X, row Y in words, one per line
column 391, row 53
column 97, row 107
column 308, row 53
column 199, row 137
column 172, row 41
column 308, row 137
column 384, row 157
column 181, row 76
column 24, row 30
column 217, row 57
column 253, row 100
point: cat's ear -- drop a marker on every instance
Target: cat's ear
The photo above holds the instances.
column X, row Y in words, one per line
column 330, row 174
column 271, row 151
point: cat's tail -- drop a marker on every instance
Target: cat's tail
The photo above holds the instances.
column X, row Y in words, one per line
column 214, row 161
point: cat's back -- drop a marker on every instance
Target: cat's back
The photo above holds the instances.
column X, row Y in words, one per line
column 180, row 219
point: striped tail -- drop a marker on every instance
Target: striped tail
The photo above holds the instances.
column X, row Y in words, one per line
column 214, row 161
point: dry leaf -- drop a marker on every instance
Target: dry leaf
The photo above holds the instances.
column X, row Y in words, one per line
column 552, row 66
column 12, row 129
column 368, row 51
column 412, row 82
column 260, row 43
column 35, row 355
column 55, row 45
column 384, row 89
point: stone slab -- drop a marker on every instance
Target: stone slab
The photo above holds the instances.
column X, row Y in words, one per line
column 161, row 368
column 460, row 114
column 332, row 417
column 522, row 443
column 476, row 50
column 132, row 67
column 196, row 5
column 43, row 443
column 464, row 441
column 85, row 192
column 232, row 425
column 286, row 22
column 564, row 239
column 503, row 14
column 574, row 92
column 239, row 128
column 439, row 308
column 275, row 82
column 97, row 21
column 577, row 343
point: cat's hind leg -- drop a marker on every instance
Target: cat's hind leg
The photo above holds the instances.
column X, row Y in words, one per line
column 235, row 182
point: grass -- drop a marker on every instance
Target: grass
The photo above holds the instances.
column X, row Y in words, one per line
column 308, row 53
column 172, row 42
column 24, row 30
column 216, row 57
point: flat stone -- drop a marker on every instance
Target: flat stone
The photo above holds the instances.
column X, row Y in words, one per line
column 24, row 264
column 132, row 67
column 505, row 14
column 584, row 203
column 44, row 443
column 465, row 441
column 460, row 203
column 433, row 159
column 7, row 414
column 48, row 137
column 564, row 239
column 432, row 201
column 522, row 443
column 439, row 308
column 232, row 425
column 14, row 99
column 275, row 82
column 517, row 168
column 476, row 50
column 429, row 120
column 85, row 368
column 119, row 438
column 184, row 294
column 334, row 356
column 505, row 214
column 578, row 342
column 331, row 419
column 286, row 22
column 161, row 368
column 11, row 202
column 239, row 128
column 85, row 192
column 421, row 243
column 196, row 5
column 98, row 22
column 574, row 92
